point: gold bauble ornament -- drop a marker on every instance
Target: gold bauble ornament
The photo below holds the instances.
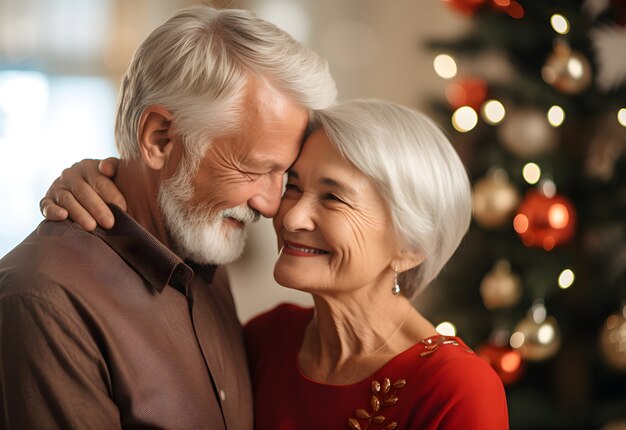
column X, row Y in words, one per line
column 527, row 133
column 500, row 288
column 537, row 336
column 567, row 70
column 613, row 341
column 494, row 200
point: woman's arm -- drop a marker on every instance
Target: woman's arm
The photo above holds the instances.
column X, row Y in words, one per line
column 82, row 193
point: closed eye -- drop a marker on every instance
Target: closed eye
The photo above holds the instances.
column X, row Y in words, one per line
column 251, row 176
column 293, row 188
column 329, row 196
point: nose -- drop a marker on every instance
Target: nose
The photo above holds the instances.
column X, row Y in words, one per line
column 267, row 196
column 298, row 215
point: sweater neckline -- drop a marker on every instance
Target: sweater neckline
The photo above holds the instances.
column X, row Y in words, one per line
column 421, row 349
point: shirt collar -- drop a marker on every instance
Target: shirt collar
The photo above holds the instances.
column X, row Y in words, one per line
column 157, row 264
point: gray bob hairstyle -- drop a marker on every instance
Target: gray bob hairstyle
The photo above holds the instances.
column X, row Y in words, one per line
column 416, row 171
column 196, row 65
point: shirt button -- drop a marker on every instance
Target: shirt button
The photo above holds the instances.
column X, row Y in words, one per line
column 223, row 395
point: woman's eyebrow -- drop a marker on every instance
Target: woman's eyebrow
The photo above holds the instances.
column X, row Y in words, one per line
column 342, row 186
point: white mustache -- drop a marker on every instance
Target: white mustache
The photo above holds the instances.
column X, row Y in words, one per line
column 242, row 214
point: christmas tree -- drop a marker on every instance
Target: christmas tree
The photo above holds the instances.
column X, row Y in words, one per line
column 536, row 103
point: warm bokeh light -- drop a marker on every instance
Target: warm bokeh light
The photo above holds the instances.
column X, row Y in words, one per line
column 545, row 334
column 548, row 243
column 517, row 339
column 566, row 278
column 575, row 68
column 621, row 117
column 493, row 112
column 556, row 116
column 531, row 173
column 559, row 23
column 612, row 321
column 445, row 66
column 558, row 216
column 520, row 223
column 446, row 328
column 548, row 188
column 510, row 362
column 464, row 119
column 539, row 312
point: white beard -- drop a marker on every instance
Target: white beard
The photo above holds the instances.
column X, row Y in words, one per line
column 199, row 235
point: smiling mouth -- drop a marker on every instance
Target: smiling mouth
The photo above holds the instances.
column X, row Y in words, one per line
column 292, row 248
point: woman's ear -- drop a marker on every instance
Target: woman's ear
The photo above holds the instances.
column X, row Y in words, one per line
column 155, row 136
column 407, row 260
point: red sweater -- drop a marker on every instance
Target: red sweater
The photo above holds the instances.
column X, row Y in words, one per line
column 438, row 383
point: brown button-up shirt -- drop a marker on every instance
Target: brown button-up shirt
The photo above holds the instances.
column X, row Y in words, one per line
column 113, row 330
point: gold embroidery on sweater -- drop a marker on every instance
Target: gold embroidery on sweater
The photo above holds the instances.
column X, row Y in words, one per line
column 432, row 345
column 383, row 396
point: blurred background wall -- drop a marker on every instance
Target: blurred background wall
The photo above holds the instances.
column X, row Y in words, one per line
column 61, row 62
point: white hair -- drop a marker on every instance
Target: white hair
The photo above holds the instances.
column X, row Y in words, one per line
column 196, row 65
column 415, row 169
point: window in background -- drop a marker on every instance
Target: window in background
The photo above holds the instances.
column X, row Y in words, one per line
column 46, row 124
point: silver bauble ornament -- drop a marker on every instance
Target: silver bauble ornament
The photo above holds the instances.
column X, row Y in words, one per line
column 527, row 133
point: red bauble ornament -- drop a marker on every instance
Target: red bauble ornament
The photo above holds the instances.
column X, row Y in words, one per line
column 510, row 7
column 466, row 7
column 469, row 7
column 545, row 222
column 506, row 361
column 470, row 92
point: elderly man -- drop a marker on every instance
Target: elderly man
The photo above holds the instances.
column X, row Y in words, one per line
column 134, row 326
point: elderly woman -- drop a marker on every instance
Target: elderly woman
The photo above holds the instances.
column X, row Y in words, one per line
column 373, row 208
column 375, row 205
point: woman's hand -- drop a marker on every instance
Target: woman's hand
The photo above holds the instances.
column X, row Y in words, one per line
column 81, row 192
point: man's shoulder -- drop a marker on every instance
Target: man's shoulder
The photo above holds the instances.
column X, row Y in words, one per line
column 55, row 253
column 49, row 242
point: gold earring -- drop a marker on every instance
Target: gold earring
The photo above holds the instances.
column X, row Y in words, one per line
column 396, row 288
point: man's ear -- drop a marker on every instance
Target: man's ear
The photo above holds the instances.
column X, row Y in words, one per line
column 407, row 260
column 156, row 136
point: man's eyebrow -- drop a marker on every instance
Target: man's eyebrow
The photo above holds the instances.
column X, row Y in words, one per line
column 264, row 163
